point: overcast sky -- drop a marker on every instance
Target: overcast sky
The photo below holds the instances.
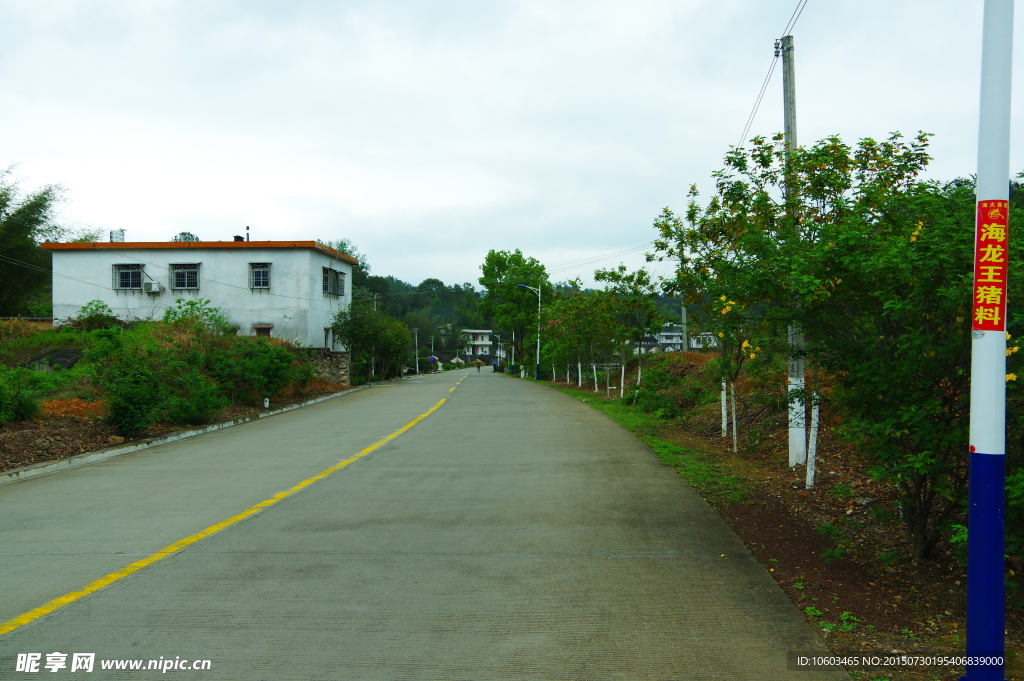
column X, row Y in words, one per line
column 431, row 132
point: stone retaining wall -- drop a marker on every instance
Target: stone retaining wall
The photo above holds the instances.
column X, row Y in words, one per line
column 329, row 365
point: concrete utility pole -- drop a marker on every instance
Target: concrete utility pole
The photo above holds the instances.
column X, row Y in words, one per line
column 416, row 352
column 686, row 331
column 797, row 419
column 682, row 305
column 986, row 615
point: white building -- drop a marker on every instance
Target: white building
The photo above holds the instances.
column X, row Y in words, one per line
column 670, row 339
column 479, row 342
column 285, row 289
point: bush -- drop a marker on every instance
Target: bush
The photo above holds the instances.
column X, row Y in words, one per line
column 252, row 367
column 192, row 397
column 196, row 312
column 16, row 403
column 133, row 391
column 94, row 315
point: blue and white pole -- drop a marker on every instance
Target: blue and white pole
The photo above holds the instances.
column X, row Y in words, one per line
column 985, row 589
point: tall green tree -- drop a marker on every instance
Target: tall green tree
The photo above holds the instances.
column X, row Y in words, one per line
column 26, row 220
column 513, row 308
column 376, row 341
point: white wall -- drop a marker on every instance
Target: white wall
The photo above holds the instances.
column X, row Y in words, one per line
column 295, row 303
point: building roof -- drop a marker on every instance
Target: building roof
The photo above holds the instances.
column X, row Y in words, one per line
column 187, row 245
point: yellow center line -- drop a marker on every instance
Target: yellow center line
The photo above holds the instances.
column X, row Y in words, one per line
column 182, row 544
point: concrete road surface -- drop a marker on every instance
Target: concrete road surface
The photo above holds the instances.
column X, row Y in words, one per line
column 514, row 533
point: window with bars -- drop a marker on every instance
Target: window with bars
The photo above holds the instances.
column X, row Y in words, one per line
column 334, row 282
column 184, row 275
column 259, row 275
column 127, row 277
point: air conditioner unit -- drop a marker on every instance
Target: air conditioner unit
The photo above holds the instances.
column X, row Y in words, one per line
column 152, row 287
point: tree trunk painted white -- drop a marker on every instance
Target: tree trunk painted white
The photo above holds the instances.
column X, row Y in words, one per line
column 554, row 376
column 579, row 372
column 622, row 380
column 797, row 413
column 639, row 368
column 812, row 444
column 596, row 385
column 735, row 432
column 725, row 412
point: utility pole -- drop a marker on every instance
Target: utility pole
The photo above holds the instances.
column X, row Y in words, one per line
column 986, row 611
column 797, row 418
column 686, row 331
column 682, row 304
column 416, row 351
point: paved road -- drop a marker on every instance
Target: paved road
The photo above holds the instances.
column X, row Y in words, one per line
column 514, row 533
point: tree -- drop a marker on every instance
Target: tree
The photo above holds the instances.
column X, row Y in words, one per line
column 25, row 222
column 875, row 265
column 513, row 309
column 361, row 270
column 583, row 328
column 185, row 236
column 373, row 338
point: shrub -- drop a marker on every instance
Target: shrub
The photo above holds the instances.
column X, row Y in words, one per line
column 133, row 391
column 196, row 312
column 16, row 403
column 192, row 396
column 94, row 315
column 251, row 367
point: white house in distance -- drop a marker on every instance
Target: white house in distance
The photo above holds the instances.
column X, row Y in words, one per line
column 285, row 289
column 479, row 342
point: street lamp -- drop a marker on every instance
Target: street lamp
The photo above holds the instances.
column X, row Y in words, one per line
column 537, row 291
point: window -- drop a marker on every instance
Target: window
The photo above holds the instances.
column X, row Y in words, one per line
column 259, row 275
column 334, row 282
column 128, row 277
column 184, row 275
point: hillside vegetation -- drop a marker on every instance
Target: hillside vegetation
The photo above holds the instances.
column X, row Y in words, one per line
column 183, row 370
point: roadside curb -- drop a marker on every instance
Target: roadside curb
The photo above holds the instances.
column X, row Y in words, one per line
column 84, row 459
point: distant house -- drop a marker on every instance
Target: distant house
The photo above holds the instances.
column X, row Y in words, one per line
column 479, row 343
column 285, row 289
column 670, row 339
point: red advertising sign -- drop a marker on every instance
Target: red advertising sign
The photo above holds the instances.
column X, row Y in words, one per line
column 991, row 258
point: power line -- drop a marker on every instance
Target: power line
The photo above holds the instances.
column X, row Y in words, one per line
column 585, row 262
column 795, row 17
column 757, row 103
column 790, row 25
column 569, row 265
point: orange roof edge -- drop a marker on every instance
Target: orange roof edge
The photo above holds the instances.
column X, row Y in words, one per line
column 187, row 245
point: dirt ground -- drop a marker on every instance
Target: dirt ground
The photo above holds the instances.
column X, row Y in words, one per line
column 67, row 428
